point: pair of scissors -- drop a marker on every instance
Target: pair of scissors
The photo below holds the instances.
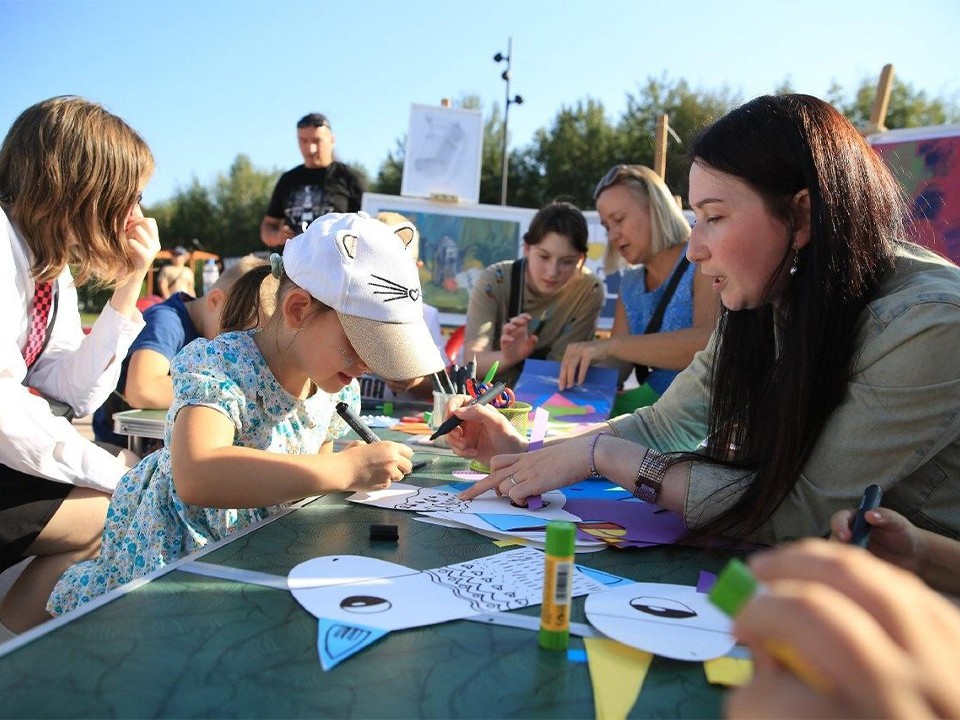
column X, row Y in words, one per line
column 475, row 389
column 505, row 399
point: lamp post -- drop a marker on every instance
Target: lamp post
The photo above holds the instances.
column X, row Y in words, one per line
column 516, row 99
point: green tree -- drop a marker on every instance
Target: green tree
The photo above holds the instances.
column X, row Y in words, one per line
column 189, row 215
column 688, row 111
column 568, row 158
column 240, row 197
column 223, row 218
column 390, row 174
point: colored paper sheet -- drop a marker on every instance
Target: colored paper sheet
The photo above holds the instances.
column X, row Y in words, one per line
column 625, row 523
column 595, row 489
column 706, row 581
column 538, row 428
column 608, row 579
column 728, row 671
column 588, row 403
column 617, row 672
column 336, row 641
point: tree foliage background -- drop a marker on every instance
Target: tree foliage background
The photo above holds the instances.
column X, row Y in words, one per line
column 563, row 160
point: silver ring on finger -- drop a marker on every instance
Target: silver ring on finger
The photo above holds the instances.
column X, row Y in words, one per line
column 513, row 481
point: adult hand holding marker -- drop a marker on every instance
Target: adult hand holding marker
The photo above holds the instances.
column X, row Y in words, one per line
column 365, row 433
column 453, row 421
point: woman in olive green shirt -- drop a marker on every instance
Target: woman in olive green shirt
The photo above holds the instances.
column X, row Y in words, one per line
column 832, row 367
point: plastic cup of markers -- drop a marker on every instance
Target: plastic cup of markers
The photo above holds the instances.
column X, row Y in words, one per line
column 518, row 415
column 439, row 414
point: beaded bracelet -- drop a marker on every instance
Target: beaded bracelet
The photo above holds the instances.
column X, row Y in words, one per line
column 593, row 448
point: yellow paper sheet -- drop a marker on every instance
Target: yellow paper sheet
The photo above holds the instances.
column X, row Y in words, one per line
column 732, row 672
column 509, row 542
column 617, row 672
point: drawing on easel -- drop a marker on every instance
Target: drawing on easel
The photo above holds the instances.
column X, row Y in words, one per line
column 443, row 153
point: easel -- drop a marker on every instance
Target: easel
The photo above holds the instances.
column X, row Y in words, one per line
column 660, row 150
column 881, row 101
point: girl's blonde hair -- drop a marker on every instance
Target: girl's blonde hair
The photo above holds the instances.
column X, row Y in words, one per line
column 668, row 226
column 70, row 172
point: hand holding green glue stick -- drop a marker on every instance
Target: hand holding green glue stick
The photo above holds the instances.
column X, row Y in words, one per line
column 735, row 587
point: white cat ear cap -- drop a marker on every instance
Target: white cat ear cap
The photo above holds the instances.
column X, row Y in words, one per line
column 361, row 268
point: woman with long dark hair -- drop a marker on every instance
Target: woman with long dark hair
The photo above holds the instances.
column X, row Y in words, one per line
column 833, row 364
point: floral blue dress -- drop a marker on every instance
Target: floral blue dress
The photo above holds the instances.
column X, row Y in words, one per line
column 640, row 305
column 148, row 525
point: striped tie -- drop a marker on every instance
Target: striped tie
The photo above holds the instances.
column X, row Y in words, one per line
column 39, row 312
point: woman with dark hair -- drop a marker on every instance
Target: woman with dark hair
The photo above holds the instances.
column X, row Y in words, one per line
column 832, row 364
column 71, row 179
column 535, row 306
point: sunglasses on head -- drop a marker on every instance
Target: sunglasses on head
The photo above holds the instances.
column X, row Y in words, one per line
column 613, row 176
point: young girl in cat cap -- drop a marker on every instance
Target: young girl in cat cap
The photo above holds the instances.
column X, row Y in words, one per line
column 253, row 420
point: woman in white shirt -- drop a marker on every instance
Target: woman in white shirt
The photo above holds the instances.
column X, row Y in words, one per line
column 71, row 179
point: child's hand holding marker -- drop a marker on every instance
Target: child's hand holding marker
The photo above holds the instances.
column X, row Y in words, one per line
column 836, row 632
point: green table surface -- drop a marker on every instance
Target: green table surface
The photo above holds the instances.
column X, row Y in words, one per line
column 185, row 645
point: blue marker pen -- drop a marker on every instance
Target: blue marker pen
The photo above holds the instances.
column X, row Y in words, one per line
column 860, row 527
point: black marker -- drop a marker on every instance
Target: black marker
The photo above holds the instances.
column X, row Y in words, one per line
column 453, row 421
column 860, row 527
column 366, row 434
column 357, row 423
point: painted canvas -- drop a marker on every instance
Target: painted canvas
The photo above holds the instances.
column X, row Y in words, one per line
column 457, row 242
column 926, row 161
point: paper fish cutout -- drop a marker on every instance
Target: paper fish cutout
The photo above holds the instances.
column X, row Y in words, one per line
column 674, row 621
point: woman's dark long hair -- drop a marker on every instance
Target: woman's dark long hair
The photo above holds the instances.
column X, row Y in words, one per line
column 781, row 370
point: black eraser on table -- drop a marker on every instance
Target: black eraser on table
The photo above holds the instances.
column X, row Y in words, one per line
column 384, row 532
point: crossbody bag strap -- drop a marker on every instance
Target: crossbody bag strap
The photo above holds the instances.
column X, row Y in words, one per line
column 516, row 289
column 656, row 320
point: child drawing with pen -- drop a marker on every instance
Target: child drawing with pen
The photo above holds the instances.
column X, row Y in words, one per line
column 253, row 419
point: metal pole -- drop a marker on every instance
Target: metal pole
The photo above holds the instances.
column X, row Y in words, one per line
column 506, row 113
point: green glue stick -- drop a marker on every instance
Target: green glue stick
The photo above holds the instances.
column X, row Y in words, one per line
column 557, row 585
column 736, row 585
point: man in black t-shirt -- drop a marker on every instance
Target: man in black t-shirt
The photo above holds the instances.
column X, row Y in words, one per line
column 319, row 186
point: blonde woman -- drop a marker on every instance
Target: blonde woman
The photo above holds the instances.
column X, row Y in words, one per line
column 646, row 228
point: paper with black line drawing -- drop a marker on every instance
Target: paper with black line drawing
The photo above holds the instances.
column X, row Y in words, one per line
column 443, row 153
column 674, row 621
column 379, row 594
column 400, row 496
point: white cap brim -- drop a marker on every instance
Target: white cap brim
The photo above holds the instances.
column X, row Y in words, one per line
column 394, row 351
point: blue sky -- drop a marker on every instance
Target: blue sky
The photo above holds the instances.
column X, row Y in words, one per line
column 203, row 80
